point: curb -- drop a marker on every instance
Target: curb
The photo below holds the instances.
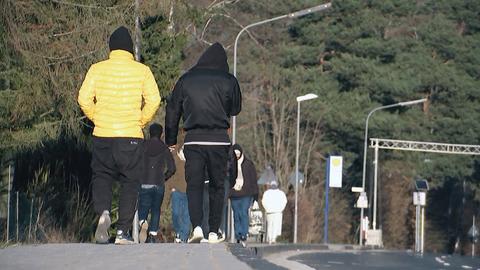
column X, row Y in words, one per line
column 251, row 257
column 265, row 250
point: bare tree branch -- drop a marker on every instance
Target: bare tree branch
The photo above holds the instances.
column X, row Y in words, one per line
column 78, row 5
column 205, row 28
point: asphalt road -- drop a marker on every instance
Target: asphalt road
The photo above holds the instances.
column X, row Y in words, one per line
column 385, row 260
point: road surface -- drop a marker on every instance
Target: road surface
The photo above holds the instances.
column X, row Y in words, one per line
column 387, row 260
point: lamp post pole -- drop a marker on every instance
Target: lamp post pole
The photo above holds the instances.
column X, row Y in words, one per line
column 296, row 14
column 137, row 55
column 400, row 104
column 292, row 15
column 299, row 99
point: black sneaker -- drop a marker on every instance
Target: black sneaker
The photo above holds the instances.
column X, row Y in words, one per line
column 151, row 239
column 123, row 238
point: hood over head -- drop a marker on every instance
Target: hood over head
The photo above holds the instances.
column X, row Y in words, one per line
column 120, row 39
column 214, row 57
column 237, row 147
column 274, row 184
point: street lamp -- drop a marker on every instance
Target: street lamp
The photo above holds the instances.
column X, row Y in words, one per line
column 292, row 15
column 299, row 99
column 400, row 104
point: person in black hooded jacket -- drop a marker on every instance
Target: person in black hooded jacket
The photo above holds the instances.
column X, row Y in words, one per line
column 159, row 167
column 205, row 98
column 243, row 176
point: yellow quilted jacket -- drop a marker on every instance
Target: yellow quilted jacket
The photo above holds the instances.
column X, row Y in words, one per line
column 112, row 95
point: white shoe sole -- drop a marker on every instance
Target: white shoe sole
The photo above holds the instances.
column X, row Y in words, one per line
column 195, row 239
column 215, row 241
column 123, row 242
column 101, row 234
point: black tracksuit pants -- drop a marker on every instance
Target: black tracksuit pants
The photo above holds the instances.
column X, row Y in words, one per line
column 214, row 158
column 117, row 159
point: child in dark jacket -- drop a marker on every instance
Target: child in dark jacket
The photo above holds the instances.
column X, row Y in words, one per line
column 243, row 178
column 159, row 167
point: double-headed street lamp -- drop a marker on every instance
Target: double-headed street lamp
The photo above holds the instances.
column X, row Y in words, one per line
column 299, row 99
column 292, row 15
column 400, row 104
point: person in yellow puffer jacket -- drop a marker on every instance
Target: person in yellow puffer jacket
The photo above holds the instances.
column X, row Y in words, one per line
column 112, row 96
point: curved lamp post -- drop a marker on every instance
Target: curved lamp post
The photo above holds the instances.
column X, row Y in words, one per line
column 400, row 104
column 292, row 15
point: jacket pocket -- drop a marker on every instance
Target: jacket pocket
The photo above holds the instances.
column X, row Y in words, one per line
column 129, row 155
column 130, row 145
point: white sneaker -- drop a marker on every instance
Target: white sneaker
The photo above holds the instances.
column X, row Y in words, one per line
column 243, row 243
column 101, row 234
column 197, row 235
column 177, row 239
column 203, row 241
column 123, row 238
column 213, row 238
column 142, row 236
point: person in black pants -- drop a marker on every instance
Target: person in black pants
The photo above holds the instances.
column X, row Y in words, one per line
column 159, row 167
column 205, row 97
column 120, row 96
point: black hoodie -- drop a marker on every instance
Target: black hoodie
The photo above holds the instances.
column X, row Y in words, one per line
column 159, row 163
column 205, row 97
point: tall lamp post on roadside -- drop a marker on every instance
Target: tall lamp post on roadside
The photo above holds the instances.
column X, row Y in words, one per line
column 400, row 104
column 299, row 99
column 292, row 15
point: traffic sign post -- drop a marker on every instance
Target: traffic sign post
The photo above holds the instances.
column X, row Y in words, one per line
column 362, row 203
column 420, row 200
column 473, row 234
column 362, row 200
column 333, row 179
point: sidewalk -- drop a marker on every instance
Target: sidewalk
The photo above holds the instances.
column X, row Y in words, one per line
column 144, row 256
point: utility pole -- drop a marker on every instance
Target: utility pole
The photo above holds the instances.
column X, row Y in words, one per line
column 8, row 200
column 138, row 32
column 137, row 57
column 473, row 235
